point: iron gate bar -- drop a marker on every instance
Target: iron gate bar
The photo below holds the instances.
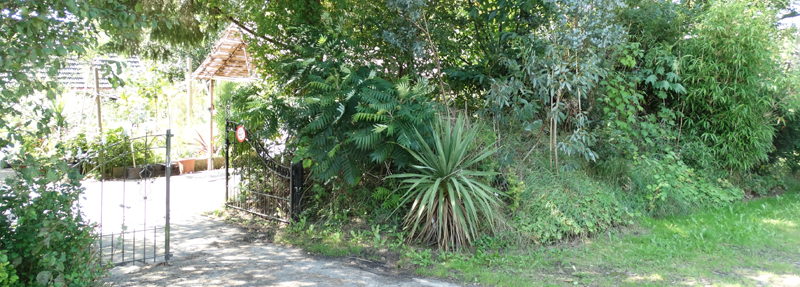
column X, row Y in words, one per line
column 263, row 154
column 151, row 143
column 265, row 194
column 296, row 191
column 293, row 173
column 122, row 250
column 167, row 175
column 259, row 214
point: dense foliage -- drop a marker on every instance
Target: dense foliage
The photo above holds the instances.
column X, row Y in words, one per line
column 48, row 242
column 644, row 96
column 732, row 73
column 42, row 233
column 648, row 107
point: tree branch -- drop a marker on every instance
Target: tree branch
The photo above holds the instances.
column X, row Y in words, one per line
column 248, row 30
column 265, row 38
column 437, row 61
column 791, row 14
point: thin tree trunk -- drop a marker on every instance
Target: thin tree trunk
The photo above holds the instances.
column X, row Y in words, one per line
column 555, row 139
column 555, row 131
column 435, row 52
column 210, row 142
column 680, row 128
column 550, row 142
column 189, row 104
column 499, row 136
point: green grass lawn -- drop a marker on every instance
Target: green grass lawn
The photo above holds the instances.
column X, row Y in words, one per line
column 749, row 243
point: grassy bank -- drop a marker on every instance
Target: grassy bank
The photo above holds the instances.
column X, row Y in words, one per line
column 749, row 243
column 753, row 242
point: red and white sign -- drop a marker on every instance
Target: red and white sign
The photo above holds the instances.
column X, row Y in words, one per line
column 240, row 134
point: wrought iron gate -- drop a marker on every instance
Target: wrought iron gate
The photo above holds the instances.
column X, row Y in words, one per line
column 256, row 182
column 134, row 176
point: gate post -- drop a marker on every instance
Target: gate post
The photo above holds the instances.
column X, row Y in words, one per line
column 166, row 175
column 227, row 158
column 297, row 190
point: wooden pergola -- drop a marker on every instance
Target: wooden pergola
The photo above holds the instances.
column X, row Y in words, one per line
column 229, row 61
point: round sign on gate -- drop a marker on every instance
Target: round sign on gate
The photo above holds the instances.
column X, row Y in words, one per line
column 240, row 134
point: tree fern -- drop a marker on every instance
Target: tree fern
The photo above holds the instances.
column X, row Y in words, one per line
column 321, row 86
column 369, row 117
column 348, row 119
column 366, row 139
column 381, row 194
column 382, row 152
column 388, row 199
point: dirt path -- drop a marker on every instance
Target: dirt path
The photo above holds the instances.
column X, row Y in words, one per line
column 208, row 252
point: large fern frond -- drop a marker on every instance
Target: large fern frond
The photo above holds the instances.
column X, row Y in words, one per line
column 358, row 117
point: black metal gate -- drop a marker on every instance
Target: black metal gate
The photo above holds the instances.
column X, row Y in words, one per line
column 256, row 182
column 130, row 200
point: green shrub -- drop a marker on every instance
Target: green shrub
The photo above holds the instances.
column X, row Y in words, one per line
column 76, row 145
column 664, row 185
column 573, row 205
column 695, row 153
column 49, row 243
column 450, row 203
column 7, row 273
column 118, row 152
column 787, row 141
column 767, row 181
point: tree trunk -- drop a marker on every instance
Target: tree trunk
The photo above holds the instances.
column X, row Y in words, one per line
column 210, row 144
column 189, row 91
column 555, row 131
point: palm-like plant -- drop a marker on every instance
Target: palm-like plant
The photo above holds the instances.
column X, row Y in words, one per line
column 449, row 200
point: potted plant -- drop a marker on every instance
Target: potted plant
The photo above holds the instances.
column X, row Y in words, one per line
column 202, row 150
column 185, row 161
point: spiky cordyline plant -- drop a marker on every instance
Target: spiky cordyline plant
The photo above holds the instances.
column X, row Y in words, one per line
column 450, row 203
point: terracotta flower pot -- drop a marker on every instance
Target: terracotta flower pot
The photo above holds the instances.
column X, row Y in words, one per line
column 186, row 165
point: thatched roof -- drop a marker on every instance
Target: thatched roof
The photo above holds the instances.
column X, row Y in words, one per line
column 229, row 60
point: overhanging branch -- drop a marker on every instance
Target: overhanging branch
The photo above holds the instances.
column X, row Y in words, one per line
column 791, row 14
column 248, row 30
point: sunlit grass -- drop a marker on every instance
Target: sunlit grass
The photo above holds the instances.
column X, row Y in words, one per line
column 753, row 242
column 747, row 243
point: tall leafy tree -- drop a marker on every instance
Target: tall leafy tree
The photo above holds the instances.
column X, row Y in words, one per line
column 169, row 27
column 37, row 38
